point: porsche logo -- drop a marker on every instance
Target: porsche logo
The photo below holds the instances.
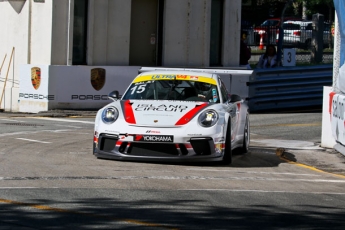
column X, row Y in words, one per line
column 36, row 77
column 155, row 121
column 97, row 78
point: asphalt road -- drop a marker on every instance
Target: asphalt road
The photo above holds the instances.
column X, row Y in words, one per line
column 49, row 179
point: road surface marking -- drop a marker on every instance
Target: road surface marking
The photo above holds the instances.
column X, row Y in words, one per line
column 289, row 125
column 232, row 178
column 63, row 120
column 70, row 126
column 287, row 144
column 24, row 139
column 309, row 167
column 11, row 120
column 253, row 172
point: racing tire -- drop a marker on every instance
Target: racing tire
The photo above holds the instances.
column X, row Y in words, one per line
column 227, row 157
column 246, row 137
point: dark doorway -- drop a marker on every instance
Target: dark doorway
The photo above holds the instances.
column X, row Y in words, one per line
column 216, row 40
column 146, row 35
column 80, row 32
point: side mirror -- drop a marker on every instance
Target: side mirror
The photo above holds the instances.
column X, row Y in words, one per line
column 235, row 98
column 114, row 95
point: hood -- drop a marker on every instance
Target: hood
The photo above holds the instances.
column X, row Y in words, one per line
column 160, row 113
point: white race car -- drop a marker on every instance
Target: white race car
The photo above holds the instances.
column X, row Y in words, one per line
column 174, row 116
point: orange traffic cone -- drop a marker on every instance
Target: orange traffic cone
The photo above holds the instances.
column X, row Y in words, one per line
column 261, row 47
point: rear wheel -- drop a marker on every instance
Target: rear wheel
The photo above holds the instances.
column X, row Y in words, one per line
column 227, row 158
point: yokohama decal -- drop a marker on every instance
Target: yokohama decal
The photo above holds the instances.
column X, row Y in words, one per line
column 189, row 116
column 154, row 138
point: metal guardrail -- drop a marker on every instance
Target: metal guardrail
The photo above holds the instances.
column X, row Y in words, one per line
column 286, row 88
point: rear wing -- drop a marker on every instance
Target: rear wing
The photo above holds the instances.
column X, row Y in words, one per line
column 232, row 71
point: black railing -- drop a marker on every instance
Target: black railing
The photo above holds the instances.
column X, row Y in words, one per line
column 296, row 35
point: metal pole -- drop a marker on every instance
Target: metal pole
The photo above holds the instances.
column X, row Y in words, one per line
column 9, row 65
column 281, row 33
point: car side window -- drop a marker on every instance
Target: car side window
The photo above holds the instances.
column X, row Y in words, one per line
column 224, row 92
column 309, row 27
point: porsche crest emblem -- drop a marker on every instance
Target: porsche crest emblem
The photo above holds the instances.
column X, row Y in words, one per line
column 97, row 78
column 36, row 77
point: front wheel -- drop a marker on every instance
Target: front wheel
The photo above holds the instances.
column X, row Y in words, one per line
column 246, row 136
column 227, row 157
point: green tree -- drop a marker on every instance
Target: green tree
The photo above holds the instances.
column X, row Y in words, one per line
column 314, row 6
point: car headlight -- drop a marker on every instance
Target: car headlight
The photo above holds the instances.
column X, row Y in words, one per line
column 110, row 115
column 208, row 118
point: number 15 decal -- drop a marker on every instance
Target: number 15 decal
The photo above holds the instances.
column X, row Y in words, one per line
column 138, row 89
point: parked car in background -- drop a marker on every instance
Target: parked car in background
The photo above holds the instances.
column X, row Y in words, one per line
column 268, row 29
column 299, row 34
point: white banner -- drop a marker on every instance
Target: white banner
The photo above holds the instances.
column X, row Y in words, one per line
column 337, row 113
column 44, row 87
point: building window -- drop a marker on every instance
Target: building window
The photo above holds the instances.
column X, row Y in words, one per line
column 216, row 40
column 80, row 32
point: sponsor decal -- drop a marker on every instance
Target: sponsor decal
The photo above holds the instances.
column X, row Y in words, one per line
column 179, row 77
column 146, row 78
column 161, row 108
column 169, row 77
column 194, row 78
column 153, row 131
column 90, row 97
column 154, row 138
column 36, row 77
column 97, row 78
column 37, row 96
column 338, row 118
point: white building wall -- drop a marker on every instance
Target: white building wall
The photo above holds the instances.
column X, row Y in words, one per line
column 186, row 38
column 40, row 32
column 232, row 32
column 109, row 32
column 57, row 28
column 13, row 36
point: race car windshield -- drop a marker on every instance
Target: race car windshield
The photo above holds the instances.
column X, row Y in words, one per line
column 173, row 90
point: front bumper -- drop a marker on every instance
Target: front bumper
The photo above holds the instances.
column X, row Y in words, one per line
column 195, row 149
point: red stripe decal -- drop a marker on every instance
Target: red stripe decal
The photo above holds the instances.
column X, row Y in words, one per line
column 188, row 116
column 128, row 112
column 188, row 146
column 239, row 106
column 331, row 95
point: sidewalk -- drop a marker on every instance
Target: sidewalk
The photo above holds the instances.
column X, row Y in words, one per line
column 306, row 154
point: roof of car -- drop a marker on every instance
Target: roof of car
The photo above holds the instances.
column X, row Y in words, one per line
column 174, row 72
column 285, row 19
column 298, row 22
column 176, row 75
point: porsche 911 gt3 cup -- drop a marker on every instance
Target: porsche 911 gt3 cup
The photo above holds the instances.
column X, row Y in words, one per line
column 174, row 116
